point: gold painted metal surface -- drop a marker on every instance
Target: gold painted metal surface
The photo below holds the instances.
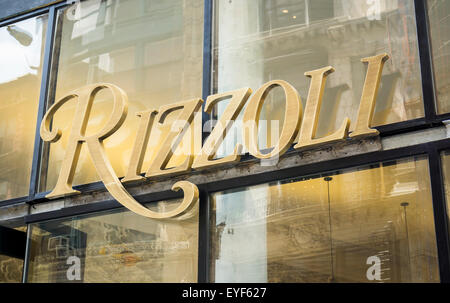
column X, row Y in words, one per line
column 191, row 196
column 312, row 110
column 291, row 124
column 369, row 96
column 188, row 110
column 215, row 139
column 85, row 97
column 147, row 119
column 116, row 246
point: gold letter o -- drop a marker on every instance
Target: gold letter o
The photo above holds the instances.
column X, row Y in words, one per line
column 291, row 125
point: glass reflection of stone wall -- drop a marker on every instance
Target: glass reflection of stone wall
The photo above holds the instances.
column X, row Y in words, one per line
column 439, row 18
column 10, row 269
column 116, row 247
column 314, row 230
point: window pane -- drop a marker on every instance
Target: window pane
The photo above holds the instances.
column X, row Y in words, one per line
column 446, row 171
column 258, row 41
column 370, row 224
column 116, row 246
column 21, row 55
column 151, row 49
column 12, row 252
column 439, row 16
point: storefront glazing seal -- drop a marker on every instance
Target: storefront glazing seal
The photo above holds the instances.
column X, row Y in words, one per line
column 294, row 127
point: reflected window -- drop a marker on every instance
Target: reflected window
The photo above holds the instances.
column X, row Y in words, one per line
column 21, row 57
column 285, row 13
column 151, row 49
column 116, row 246
column 259, row 41
column 439, row 19
column 368, row 224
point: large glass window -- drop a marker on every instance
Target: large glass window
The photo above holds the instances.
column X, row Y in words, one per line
column 151, row 49
column 21, row 57
column 368, row 224
column 439, row 16
column 259, row 41
column 116, row 246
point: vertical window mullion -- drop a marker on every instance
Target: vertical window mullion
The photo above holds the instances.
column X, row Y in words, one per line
column 207, row 60
column 203, row 232
column 440, row 214
column 204, row 237
column 27, row 254
column 426, row 63
column 38, row 144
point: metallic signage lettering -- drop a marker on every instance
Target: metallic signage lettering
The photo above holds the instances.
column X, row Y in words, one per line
column 295, row 129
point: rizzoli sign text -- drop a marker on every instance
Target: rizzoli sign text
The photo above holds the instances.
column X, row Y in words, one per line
column 296, row 125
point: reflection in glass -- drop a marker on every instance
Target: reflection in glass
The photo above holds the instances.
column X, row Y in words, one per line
column 151, row 49
column 439, row 18
column 370, row 224
column 116, row 246
column 259, row 41
column 446, row 171
column 11, row 258
column 21, row 55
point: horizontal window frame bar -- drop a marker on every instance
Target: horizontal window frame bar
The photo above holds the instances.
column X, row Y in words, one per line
column 443, row 117
column 14, row 201
column 325, row 167
column 24, row 16
column 404, row 127
column 32, row 12
column 98, row 206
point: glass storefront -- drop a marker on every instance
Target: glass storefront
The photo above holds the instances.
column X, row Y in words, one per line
column 116, row 246
column 360, row 210
column 21, row 54
column 336, row 228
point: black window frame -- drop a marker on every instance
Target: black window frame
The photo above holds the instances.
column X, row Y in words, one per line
column 431, row 149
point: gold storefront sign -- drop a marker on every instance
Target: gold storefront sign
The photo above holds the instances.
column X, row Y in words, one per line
column 295, row 128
